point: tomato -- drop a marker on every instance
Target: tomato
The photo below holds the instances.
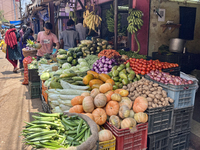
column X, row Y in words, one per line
column 148, row 69
column 153, row 69
column 133, row 59
column 143, row 72
column 137, row 60
column 139, row 72
column 145, row 66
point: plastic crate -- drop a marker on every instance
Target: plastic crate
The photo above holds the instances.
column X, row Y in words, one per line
column 179, row 141
column 175, row 58
column 34, row 89
column 33, row 75
column 107, row 145
column 183, row 95
column 181, row 120
column 159, row 141
column 130, row 139
column 160, row 119
column 173, row 71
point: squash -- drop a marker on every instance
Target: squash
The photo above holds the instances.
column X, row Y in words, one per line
column 95, row 81
column 131, row 114
column 140, row 104
column 89, row 115
column 127, row 123
column 77, row 100
column 115, row 121
column 124, row 93
column 141, row 117
column 96, row 86
column 124, row 111
column 108, row 95
column 105, row 135
column 88, row 105
column 87, row 79
column 112, row 108
column 99, row 116
column 76, row 109
column 104, row 77
column 100, row 100
column 95, row 74
column 126, row 101
column 117, row 91
column 111, row 81
column 116, row 97
column 105, row 87
column 94, row 92
column 85, row 94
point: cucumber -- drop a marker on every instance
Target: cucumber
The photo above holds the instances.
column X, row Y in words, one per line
column 77, row 78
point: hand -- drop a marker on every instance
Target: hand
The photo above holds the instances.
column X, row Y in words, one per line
column 55, row 54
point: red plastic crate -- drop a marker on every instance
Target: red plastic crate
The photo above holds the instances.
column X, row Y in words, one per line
column 130, row 139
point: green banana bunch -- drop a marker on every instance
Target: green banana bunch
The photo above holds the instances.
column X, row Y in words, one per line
column 30, row 43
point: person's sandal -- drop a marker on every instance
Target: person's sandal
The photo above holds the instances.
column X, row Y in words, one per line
column 15, row 70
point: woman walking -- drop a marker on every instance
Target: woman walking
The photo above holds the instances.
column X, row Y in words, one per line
column 27, row 36
column 13, row 53
column 22, row 32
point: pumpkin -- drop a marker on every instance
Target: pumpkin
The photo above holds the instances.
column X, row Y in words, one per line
column 94, row 92
column 99, row 116
column 124, row 93
column 95, row 81
column 95, row 74
column 89, row 115
column 108, row 95
column 88, row 105
column 115, row 121
column 126, row 101
column 77, row 100
column 105, row 135
column 117, row 91
column 105, row 87
column 100, row 100
column 116, row 97
column 141, row 117
column 127, row 123
column 140, row 104
column 111, row 81
column 98, row 127
column 96, row 86
column 131, row 114
column 87, row 79
column 112, row 108
column 85, row 94
column 76, row 109
column 104, row 77
column 124, row 111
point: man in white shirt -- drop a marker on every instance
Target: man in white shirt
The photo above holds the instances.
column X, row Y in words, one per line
column 80, row 29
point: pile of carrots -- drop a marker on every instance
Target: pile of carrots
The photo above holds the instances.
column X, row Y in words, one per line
column 108, row 53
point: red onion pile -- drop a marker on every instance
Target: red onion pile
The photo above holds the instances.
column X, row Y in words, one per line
column 166, row 78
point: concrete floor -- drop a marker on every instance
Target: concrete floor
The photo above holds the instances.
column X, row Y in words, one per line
column 17, row 107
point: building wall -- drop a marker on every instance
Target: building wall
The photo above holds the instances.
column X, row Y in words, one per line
column 157, row 37
column 8, row 8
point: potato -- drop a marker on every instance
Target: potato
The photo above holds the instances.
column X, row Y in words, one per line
column 144, row 95
column 154, row 92
column 149, row 103
column 148, row 92
column 166, row 98
column 171, row 100
column 132, row 94
column 132, row 89
column 160, row 88
column 153, row 105
column 159, row 102
column 129, row 96
column 155, row 84
column 156, row 105
column 159, row 92
column 140, row 86
column 155, row 88
column 125, row 87
column 133, row 98
column 143, row 92
column 151, row 95
column 155, row 101
column 164, row 95
column 162, row 99
column 150, row 107
column 149, row 99
column 163, row 103
column 137, row 95
column 151, row 89
column 159, row 105
column 146, row 83
column 140, row 93
column 158, row 96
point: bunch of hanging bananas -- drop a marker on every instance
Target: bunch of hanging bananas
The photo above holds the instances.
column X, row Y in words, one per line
column 29, row 43
column 72, row 15
column 135, row 21
column 110, row 20
column 91, row 20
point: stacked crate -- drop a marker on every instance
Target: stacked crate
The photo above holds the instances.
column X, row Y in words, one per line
column 177, row 135
column 34, row 83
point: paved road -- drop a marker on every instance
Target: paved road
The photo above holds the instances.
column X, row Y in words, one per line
column 15, row 106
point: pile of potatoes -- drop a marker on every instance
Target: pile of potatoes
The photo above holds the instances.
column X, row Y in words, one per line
column 154, row 94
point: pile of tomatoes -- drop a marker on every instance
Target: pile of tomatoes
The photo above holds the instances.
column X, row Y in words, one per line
column 142, row 66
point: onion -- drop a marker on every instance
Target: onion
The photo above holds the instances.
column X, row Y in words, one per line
column 190, row 82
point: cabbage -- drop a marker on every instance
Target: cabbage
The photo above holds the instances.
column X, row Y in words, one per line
column 32, row 66
column 45, row 76
column 59, row 71
column 84, row 64
column 57, row 110
column 66, row 66
column 83, row 69
column 47, row 82
column 81, row 60
column 74, row 68
column 66, row 71
column 52, row 73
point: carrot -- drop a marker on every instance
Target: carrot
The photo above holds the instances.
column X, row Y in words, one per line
column 77, row 100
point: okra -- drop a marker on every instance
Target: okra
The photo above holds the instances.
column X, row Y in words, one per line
column 44, row 118
column 75, row 143
column 53, row 144
column 68, row 122
column 61, row 139
column 79, row 126
column 50, row 146
column 41, row 134
column 68, row 126
column 35, row 130
column 80, row 133
column 46, row 122
column 40, row 126
column 70, row 132
column 46, row 137
column 49, row 115
column 69, row 138
column 80, row 137
column 30, row 124
column 65, row 126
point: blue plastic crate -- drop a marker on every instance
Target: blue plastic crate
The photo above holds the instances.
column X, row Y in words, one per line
column 183, row 95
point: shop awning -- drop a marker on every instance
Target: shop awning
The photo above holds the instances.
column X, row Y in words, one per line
column 16, row 22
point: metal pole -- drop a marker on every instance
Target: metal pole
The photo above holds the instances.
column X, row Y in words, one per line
column 116, row 22
column 129, row 34
column 14, row 9
column 20, row 9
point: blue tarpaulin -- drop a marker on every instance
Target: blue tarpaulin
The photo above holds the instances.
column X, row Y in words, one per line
column 15, row 22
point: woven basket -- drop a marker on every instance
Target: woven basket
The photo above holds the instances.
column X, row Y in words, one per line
column 31, row 53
